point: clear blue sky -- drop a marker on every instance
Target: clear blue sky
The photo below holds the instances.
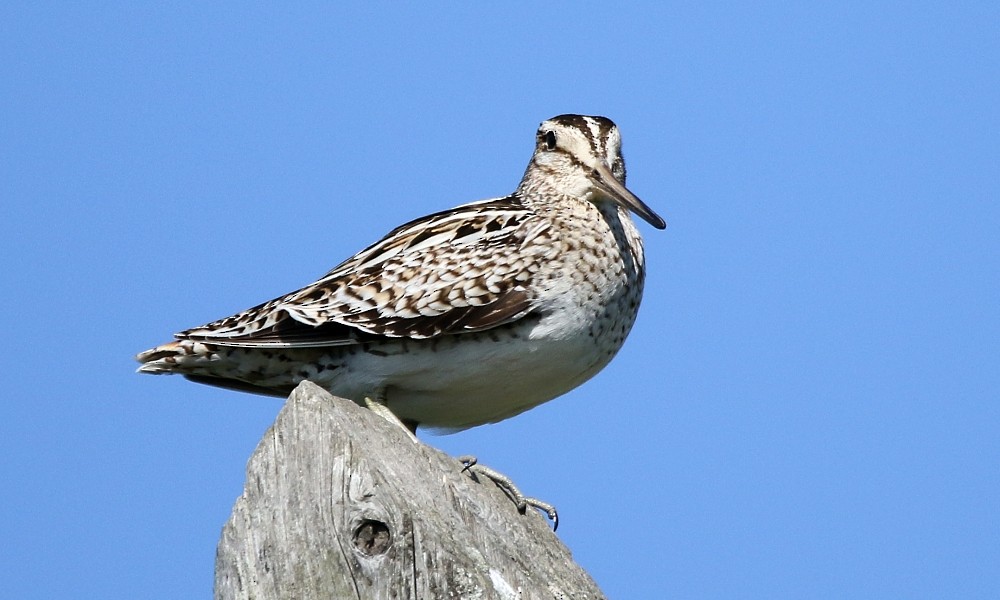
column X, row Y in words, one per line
column 807, row 407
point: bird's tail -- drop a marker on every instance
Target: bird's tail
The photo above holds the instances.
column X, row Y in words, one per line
column 243, row 369
column 184, row 356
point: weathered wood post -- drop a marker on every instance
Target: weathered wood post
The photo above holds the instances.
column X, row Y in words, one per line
column 339, row 503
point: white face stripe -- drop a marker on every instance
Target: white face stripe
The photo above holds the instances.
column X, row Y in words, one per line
column 586, row 140
column 597, row 140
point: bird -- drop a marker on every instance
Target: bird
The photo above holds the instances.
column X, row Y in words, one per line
column 463, row 317
column 460, row 318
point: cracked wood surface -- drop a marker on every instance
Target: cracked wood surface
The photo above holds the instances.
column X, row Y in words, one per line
column 338, row 503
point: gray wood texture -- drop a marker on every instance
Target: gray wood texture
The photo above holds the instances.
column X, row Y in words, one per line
column 339, row 503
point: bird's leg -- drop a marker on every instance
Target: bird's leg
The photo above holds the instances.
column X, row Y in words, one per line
column 507, row 485
column 378, row 406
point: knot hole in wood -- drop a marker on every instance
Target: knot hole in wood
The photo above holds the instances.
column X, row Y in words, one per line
column 372, row 537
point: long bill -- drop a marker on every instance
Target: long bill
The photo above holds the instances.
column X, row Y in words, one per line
column 605, row 181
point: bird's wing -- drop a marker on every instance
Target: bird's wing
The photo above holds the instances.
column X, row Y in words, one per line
column 462, row 270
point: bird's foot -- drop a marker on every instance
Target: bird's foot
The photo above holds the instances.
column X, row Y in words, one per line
column 377, row 406
column 471, row 464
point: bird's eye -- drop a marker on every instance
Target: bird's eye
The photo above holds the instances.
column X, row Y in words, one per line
column 550, row 140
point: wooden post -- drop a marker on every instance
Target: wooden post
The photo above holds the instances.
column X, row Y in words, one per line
column 339, row 503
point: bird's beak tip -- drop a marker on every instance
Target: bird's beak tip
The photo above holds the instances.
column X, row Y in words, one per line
column 621, row 194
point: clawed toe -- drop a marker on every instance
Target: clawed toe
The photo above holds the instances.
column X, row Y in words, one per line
column 471, row 465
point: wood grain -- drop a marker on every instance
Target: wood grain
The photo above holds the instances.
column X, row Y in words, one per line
column 339, row 503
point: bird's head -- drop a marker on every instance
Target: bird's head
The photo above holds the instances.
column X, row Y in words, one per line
column 581, row 156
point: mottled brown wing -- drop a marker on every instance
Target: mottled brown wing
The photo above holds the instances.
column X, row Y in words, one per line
column 458, row 271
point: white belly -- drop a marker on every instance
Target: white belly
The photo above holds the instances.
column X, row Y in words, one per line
column 484, row 378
